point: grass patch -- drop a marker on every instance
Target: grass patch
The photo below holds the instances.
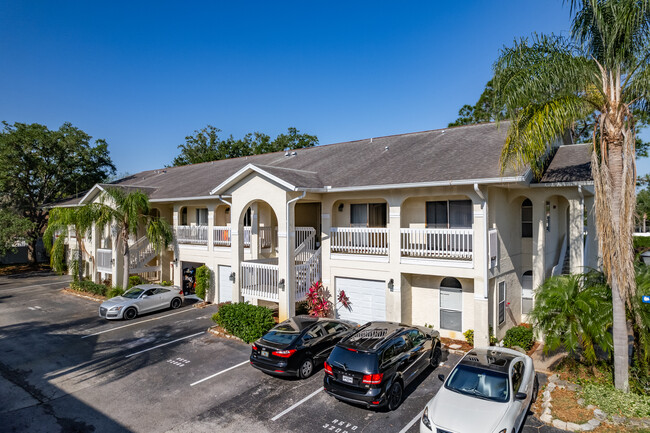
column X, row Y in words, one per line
column 608, row 428
column 615, row 402
column 566, row 408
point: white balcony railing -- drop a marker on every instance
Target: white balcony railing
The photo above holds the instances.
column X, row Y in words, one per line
column 265, row 237
column 247, row 237
column 221, row 236
column 104, row 260
column 437, row 243
column 307, row 274
column 359, row 240
column 193, row 235
column 260, row 281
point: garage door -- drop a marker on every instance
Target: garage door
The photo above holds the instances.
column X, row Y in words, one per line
column 368, row 299
column 225, row 285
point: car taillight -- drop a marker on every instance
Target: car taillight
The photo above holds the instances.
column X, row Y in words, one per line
column 352, row 350
column 254, row 347
column 180, row 292
column 328, row 369
column 372, row 379
column 284, row 353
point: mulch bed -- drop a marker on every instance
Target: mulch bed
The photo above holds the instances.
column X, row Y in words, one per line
column 464, row 345
column 22, row 269
column 566, row 408
column 84, row 295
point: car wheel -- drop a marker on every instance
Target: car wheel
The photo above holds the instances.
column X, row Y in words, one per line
column 395, row 395
column 176, row 303
column 130, row 313
column 436, row 356
column 306, row 368
column 535, row 390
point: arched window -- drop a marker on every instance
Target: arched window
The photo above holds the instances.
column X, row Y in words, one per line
column 527, row 219
column 526, row 292
column 451, row 304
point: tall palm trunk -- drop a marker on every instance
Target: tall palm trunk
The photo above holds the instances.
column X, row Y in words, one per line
column 614, row 173
column 125, row 259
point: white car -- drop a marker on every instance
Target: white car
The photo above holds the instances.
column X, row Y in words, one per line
column 489, row 390
column 141, row 299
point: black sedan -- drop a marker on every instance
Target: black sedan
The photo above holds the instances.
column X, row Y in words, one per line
column 295, row 346
column 373, row 365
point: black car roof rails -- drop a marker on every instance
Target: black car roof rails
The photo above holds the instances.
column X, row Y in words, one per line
column 370, row 337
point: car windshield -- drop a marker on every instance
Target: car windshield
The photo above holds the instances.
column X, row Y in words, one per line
column 133, row 293
column 479, row 382
column 284, row 333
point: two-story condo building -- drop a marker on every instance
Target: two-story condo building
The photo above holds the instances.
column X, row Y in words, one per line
column 422, row 228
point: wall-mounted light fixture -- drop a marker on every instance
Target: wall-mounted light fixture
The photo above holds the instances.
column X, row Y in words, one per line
column 112, row 261
column 231, row 277
column 176, row 261
column 341, row 207
column 281, row 284
column 391, row 284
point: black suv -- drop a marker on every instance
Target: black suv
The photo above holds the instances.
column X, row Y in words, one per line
column 373, row 365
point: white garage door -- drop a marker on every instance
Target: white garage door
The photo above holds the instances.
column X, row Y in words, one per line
column 368, row 299
column 225, row 285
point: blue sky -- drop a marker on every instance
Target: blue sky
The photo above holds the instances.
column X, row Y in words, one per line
column 143, row 75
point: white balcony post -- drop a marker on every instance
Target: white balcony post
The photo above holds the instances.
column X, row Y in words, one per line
column 394, row 297
column 539, row 242
column 255, row 230
column 177, row 265
column 211, row 207
column 576, row 239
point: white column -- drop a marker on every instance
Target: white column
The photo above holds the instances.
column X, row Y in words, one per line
column 96, row 278
column 211, row 207
column 394, row 298
column 236, row 245
column 287, row 263
column 539, row 242
column 178, row 277
column 480, row 259
column 576, row 241
column 591, row 261
column 255, row 230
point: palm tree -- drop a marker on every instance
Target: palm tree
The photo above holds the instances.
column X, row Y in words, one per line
column 602, row 73
column 128, row 211
column 80, row 219
column 574, row 312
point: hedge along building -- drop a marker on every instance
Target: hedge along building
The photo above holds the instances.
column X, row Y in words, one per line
column 422, row 228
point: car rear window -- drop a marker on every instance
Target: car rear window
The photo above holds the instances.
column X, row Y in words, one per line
column 362, row 362
column 479, row 382
column 282, row 334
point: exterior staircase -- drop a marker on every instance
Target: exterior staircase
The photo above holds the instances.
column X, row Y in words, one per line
column 141, row 254
column 308, row 261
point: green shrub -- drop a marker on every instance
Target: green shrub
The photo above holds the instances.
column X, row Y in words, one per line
column 615, row 402
column 115, row 291
column 202, row 281
column 469, row 336
column 243, row 320
column 302, row 308
column 521, row 336
column 493, row 339
column 135, row 280
column 166, row 283
column 89, row 287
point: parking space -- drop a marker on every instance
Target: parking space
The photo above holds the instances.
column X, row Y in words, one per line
column 65, row 369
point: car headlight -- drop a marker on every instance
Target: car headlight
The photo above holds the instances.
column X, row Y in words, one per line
column 116, row 308
column 425, row 418
column 505, row 430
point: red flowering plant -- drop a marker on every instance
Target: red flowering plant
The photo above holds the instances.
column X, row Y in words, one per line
column 318, row 301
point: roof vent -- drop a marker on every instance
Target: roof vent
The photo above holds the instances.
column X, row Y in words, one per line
column 294, row 153
column 286, row 154
column 386, row 148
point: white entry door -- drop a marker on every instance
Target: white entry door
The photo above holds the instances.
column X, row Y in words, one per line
column 225, row 285
column 367, row 298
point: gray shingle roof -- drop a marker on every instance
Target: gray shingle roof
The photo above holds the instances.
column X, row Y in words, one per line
column 571, row 163
column 444, row 155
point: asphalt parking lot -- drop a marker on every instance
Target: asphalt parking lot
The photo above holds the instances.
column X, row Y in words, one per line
column 63, row 369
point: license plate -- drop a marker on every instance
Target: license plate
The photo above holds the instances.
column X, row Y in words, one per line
column 264, row 353
column 347, row 379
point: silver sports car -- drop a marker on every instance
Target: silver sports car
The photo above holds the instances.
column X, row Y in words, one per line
column 141, row 299
column 488, row 391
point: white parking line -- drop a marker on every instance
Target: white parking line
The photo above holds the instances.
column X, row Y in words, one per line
column 164, row 344
column 295, row 405
column 137, row 323
column 413, row 421
column 221, row 372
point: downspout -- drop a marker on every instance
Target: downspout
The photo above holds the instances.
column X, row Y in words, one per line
column 485, row 239
column 289, row 245
column 223, row 201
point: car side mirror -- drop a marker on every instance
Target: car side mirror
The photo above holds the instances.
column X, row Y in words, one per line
column 521, row 396
column 441, row 377
column 145, row 296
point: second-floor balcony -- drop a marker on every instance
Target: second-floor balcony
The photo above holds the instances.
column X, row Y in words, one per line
column 436, row 243
column 359, row 240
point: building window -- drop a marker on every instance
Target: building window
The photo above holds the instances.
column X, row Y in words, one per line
column 527, row 219
column 184, row 216
column 201, row 217
column 526, row 292
column 451, row 304
column 502, row 302
column 368, row 215
column 449, row 214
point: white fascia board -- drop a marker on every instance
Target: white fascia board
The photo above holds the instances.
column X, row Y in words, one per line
column 248, row 169
column 89, row 192
column 511, row 179
column 561, row 184
column 204, row 197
